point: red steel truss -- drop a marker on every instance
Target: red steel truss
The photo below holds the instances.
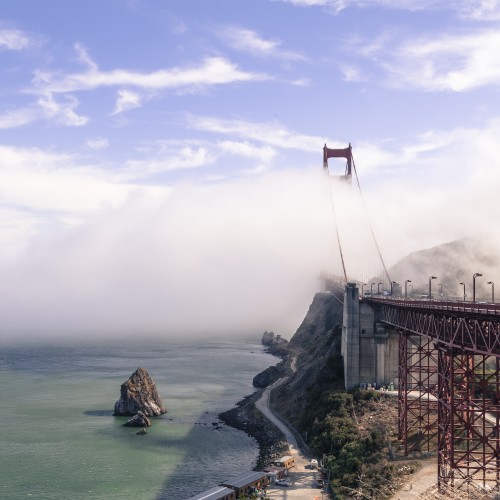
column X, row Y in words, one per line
column 417, row 392
column 473, row 328
column 449, row 361
column 469, row 417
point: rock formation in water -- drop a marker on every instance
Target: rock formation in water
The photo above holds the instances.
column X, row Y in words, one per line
column 268, row 339
column 138, row 420
column 139, row 394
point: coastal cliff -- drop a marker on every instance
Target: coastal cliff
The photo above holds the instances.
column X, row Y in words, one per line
column 316, row 345
column 316, row 348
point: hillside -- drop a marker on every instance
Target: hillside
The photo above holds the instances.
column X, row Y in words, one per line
column 452, row 263
column 317, row 342
column 356, row 431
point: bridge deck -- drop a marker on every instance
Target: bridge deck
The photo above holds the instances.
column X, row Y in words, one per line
column 467, row 326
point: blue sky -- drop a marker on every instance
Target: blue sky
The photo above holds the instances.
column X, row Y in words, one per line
column 181, row 142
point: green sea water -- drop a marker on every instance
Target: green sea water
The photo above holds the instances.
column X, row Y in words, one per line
column 59, row 439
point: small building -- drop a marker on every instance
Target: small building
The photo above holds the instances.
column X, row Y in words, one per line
column 273, row 472
column 247, row 482
column 287, row 461
column 216, row 493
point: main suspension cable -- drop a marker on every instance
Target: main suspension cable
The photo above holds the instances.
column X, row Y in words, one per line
column 369, row 222
column 336, row 226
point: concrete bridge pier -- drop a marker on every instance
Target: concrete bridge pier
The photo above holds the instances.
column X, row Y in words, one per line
column 369, row 348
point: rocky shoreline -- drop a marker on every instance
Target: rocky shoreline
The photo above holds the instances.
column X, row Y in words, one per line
column 247, row 418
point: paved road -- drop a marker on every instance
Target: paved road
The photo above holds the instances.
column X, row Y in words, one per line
column 302, row 477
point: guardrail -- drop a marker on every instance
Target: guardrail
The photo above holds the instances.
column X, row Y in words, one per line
column 486, row 308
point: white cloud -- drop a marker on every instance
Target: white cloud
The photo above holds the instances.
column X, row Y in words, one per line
column 270, row 133
column 485, row 10
column 459, row 62
column 43, row 181
column 18, row 117
column 249, row 41
column 264, row 154
column 97, row 143
column 437, row 188
column 84, row 57
column 61, row 112
column 14, row 40
column 187, row 157
column 139, row 267
column 236, row 249
column 126, row 100
column 352, row 73
column 337, row 6
column 212, row 71
column 46, row 108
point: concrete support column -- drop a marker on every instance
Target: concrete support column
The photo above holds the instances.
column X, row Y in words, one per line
column 381, row 353
column 350, row 336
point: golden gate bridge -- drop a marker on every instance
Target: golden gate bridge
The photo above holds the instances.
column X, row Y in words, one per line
column 448, row 361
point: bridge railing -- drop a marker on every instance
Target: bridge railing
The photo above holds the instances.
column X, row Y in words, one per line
column 482, row 308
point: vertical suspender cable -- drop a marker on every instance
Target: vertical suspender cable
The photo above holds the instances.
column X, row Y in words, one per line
column 336, row 226
column 369, row 222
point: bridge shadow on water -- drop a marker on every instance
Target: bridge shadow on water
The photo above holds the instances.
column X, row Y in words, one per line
column 207, row 454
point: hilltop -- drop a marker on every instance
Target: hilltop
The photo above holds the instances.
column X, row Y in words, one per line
column 452, row 263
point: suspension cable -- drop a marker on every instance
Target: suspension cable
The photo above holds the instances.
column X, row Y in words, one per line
column 369, row 221
column 336, row 226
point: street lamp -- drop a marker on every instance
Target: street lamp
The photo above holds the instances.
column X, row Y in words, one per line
column 462, row 283
column 371, row 288
column 492, row 283
column 363, row 288
column 378, row 287
column 392, row 289
column 474, row 276
column 430, row 282
column 406, row 287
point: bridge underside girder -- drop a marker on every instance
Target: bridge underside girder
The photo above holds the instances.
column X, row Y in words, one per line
column 467, row 332
column 450, row 398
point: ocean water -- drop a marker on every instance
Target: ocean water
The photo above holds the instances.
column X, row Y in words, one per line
column 59, row 439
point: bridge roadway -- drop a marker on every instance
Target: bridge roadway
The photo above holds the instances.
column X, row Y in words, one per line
column 468, row 326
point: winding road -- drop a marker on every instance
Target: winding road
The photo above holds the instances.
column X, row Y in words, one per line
column 302, row 477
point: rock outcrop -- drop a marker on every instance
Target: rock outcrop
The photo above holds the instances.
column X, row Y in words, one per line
column 269, row 339
column 268, row 376
column 139, row 394
column 138, row 420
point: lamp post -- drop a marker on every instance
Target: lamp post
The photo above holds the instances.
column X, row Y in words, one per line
column 474, row 276
column 411, row 291
column 462, row 283
column 406, row 287
column 492, row 283
column 392, row 287
column 378, row 287
column 430, row 285
column 371, row 288
column 363, row 289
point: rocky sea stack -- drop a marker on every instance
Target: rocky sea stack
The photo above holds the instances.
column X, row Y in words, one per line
column 139, row 394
